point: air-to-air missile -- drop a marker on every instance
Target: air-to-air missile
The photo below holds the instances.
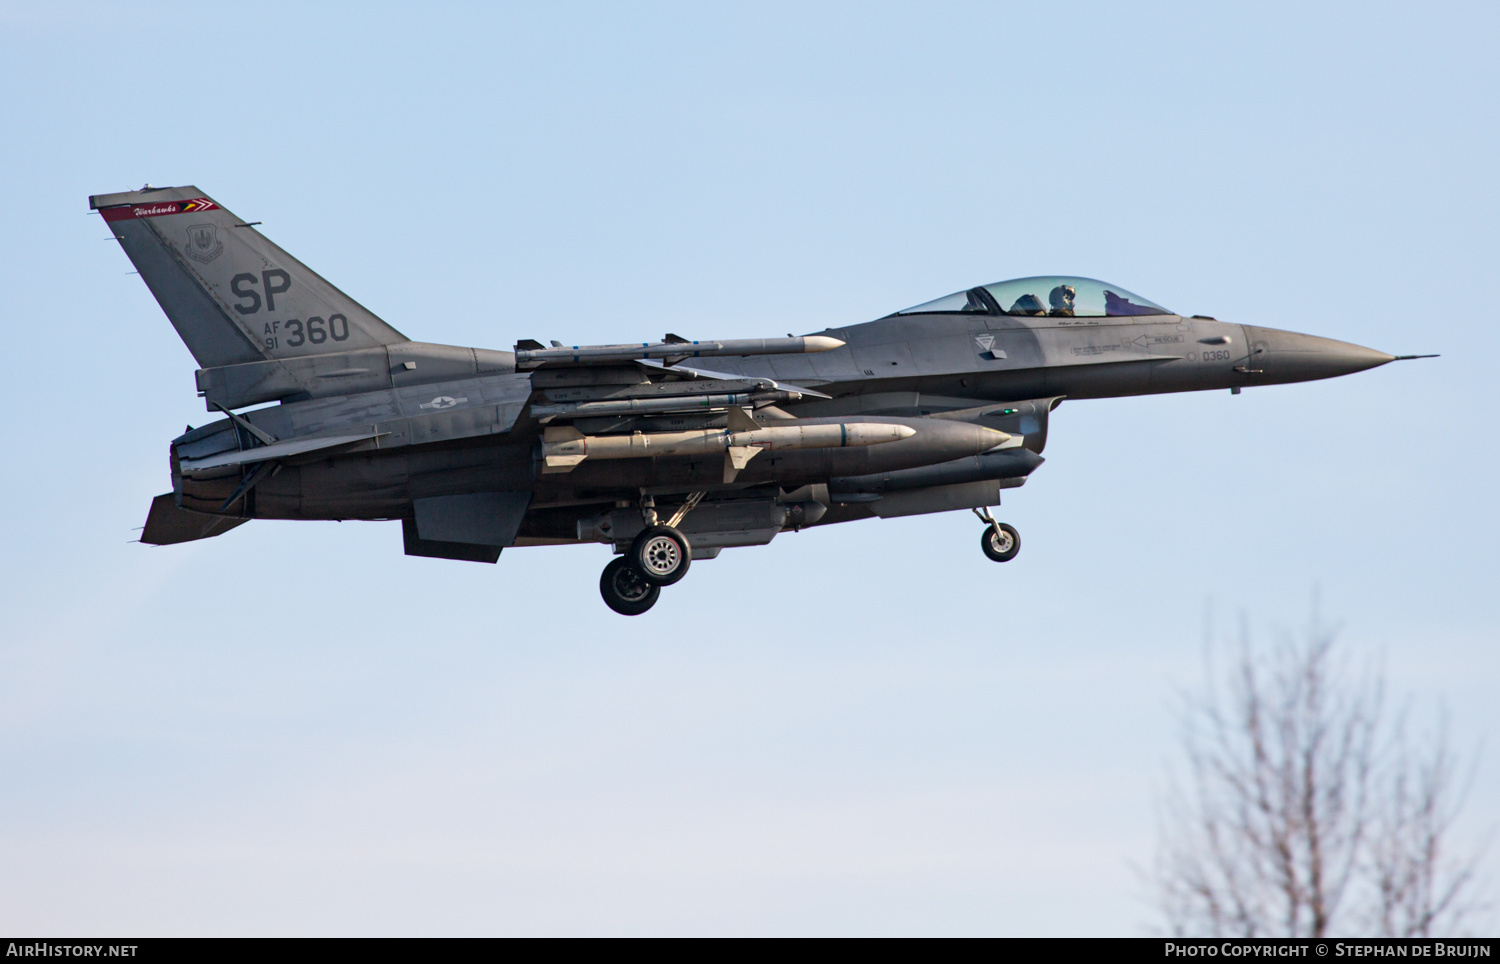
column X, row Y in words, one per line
column 672, row 348
column 934, row 408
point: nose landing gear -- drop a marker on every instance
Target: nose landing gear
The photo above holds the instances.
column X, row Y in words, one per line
column 999, row 541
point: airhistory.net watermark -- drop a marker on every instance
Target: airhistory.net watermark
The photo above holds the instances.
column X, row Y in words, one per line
column 69, row 950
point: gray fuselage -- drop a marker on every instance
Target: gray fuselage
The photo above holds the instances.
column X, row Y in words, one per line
column 899, row 367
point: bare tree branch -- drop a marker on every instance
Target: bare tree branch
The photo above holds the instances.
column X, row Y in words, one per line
column 1306, row 811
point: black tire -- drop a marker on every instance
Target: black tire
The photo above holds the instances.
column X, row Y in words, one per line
column 625, row 590
column 1004, row 548
column 662, row 554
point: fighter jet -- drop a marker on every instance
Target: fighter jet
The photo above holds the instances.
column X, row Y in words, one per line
column 666, row 451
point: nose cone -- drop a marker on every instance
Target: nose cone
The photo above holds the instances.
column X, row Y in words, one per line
column 1288, row 356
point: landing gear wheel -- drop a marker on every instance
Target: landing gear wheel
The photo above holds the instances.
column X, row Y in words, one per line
column 662, row 554
column 625, row 590
column 1000, row 546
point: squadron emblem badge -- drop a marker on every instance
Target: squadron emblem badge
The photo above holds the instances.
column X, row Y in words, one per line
column 203, row 243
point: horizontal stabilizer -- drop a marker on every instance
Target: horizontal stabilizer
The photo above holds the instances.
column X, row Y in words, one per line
column 277, row 450
column 168, row 525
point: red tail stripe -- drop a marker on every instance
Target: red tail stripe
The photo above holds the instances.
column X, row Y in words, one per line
column 156, row 209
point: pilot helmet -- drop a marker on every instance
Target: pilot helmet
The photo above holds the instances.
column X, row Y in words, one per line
column 1062, row 299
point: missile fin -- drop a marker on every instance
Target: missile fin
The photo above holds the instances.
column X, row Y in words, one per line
column 740, row 421
column 566, row 460
column 736, row 457
column 740, row 455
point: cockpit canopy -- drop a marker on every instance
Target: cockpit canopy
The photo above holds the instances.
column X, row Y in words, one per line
column 1043, row 296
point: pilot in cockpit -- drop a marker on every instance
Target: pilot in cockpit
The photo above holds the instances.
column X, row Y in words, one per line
column 1061, row 299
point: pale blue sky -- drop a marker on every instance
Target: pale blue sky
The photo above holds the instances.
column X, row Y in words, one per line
column 295, row 729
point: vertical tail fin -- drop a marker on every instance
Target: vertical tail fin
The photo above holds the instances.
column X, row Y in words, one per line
column 232, row 295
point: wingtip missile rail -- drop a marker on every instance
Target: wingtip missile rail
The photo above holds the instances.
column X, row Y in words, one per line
column 528, row 358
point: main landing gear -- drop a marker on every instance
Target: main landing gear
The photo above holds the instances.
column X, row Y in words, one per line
column 658, row 557
column 999, row 541
column 625, row 589
column 662, row 555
